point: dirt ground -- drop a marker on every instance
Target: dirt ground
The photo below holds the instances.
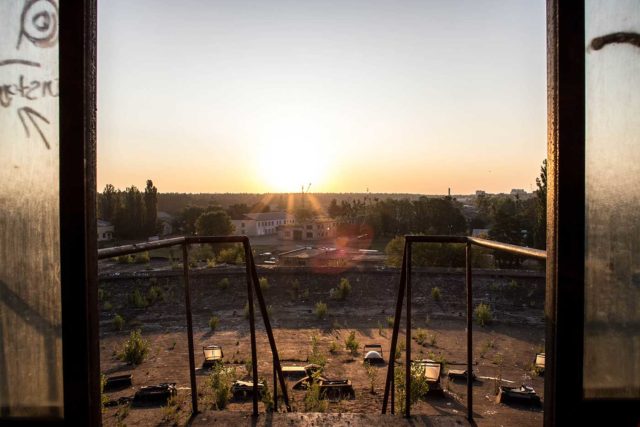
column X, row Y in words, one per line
column 503, row 349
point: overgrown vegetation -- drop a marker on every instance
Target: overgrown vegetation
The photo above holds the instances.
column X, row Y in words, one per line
column 435, row 293
column 124, row 259
column 213, row 323
column 219, row 385
column 316, row 357
column 141, row 258
column 135, row 349
column 351, row 344
column 171, row 412
column 321, row 310
column 312, row 398
column 267, row 397
column 372, row 376
column 137, row 299
column 342, row 291
column 103, row 397
column 423, row 338
column 418, row 384
column 264, row 284
column 390, row 320
column 223, row 283
column 483, row 314
column 155, row 293
column 118, row 322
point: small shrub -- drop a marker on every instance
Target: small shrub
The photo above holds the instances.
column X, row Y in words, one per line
column 137, row 299
column 351, row 344
column 135, row 349
column 399, row 349
column 435, row 293
column 312, row 400
column 171, row 412
column 483, row 314
column 419, row 386
column 372, row 376
column 223, row 283
column 142, row 258
column 316, row 357
column 103, row 397
column 305, row 294
column 211, row 262
column 321, row 310
column 267, row 397
column 107, row 306
column 219, row 383
column 118, row 322
column 390, row 320
column 420, row 336
column 334, row 347
column 432, row 339
column 232, row 255
column 125, row 259
column 264, row 284
column 213, row 323
column 342, row 291
column 155, row 293
column 381, row 330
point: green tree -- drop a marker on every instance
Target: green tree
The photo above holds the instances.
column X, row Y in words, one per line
column 150, row 208
column 540, row 232
column 108, row 203
column 188, row 217
column 214, row 223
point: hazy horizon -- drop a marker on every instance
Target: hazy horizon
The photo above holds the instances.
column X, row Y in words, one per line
column 264, row 97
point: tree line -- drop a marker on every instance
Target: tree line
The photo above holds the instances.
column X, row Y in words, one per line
column 134, row 214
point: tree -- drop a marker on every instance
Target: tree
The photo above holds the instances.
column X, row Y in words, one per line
column 108, row 203
column 540, row 232
column 238, row 209
column 189, row 216
column 214, row 223
column 150, row 208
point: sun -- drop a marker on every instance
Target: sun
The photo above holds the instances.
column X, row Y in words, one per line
column 287, row 162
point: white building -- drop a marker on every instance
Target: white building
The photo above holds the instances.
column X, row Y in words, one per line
column 261, row 224
column 105, row 231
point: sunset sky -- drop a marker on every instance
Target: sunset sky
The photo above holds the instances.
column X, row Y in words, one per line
column 264, row 96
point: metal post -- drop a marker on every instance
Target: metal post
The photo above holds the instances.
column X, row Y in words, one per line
column 393, row 394
column 275, row 389
column 469, row 334
column 407, row 368
column 252, row 327
column 187, row 302
column 251, row 267
column 390, row 381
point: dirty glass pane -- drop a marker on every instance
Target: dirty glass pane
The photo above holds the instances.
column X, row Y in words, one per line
column 30, row 333
column 612, row 271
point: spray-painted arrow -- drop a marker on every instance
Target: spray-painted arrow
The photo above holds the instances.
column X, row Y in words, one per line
column 30, row 113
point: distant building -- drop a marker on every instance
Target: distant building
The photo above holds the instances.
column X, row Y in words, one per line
column 166, row 223
column 261, row 224
column 314, row 229
column 518, row 192
column 480, row 193
column 105, row 231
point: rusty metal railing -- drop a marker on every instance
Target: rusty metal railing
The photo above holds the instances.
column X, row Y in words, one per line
column 252, row 285
column 405, row 287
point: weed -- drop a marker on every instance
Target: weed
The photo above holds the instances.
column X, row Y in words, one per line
column 107, row 306
column 121, row 414
column 211, row 262
column 483, row 314
column 267, row 397
column 223, row 283
column 305, row 294
column 435, row 293
column 137, row 299
column 334, row 347
column 155, row 293
column 432, row 340
column 125, row 259
column 135, row 349
column 372, row 376
column 312, row 400
column 173, row 346
column 171, row 412
column 390, row 320
column 213, row 323
column 219, row 383
column 118, row 322
column 399, row 349
column 420, row 336
column 103, row 397
column 264, row 284
column 316, row 357
column 381, row 330
column 342, row 291
column 142, row 258
column 351, row 344
column 513, row 285
column 321, row 310
column 418, row 384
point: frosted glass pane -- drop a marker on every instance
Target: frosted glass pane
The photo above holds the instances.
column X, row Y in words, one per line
column 30, row 333
column 612, row 271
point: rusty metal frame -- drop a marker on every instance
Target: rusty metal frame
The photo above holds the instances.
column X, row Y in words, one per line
column 253, row 285
column 405, row 287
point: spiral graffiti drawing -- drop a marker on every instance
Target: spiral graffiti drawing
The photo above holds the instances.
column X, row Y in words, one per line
column 39, row 23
